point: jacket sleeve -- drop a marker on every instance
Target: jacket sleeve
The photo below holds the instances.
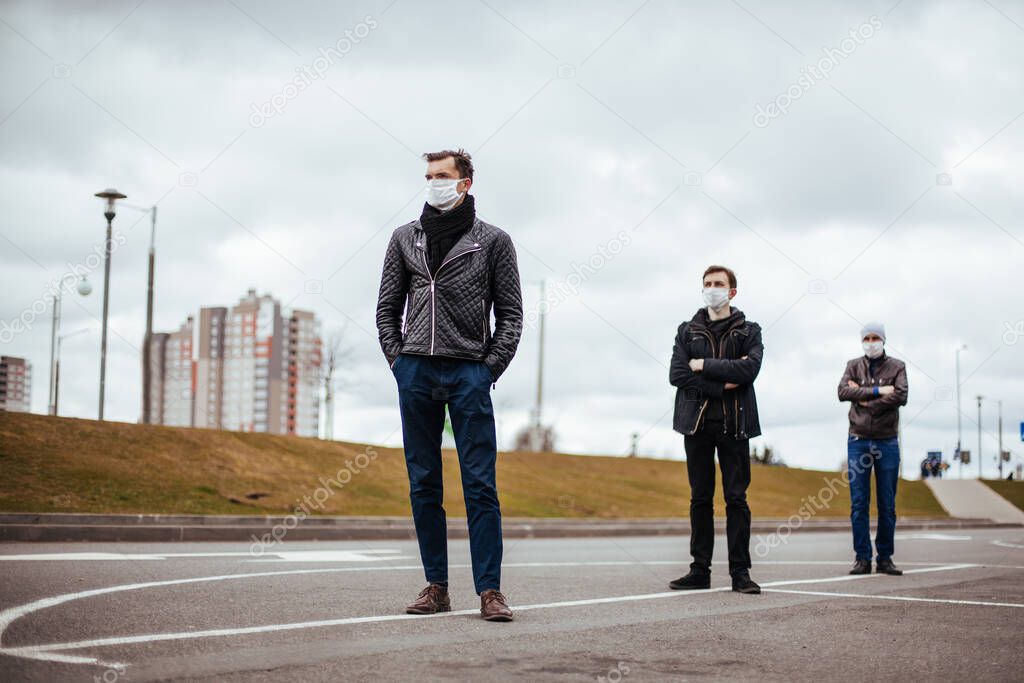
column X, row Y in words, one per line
column 738, row 371
column 508, row 307
column 394, row 287
column 894, row 400
column 848, row 393
column 681, row 376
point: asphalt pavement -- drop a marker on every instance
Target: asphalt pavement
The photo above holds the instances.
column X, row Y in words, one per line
column 586, row 609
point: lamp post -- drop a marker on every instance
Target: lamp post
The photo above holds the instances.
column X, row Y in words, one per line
column 56, row 371
column 84, row 288
column 146, row 370
column 111, row 195
column 980, row 397
column 962, row 347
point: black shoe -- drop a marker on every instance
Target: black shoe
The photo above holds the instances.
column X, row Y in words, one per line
column 861, row 567
column 695, row 580
column 887, row 567
column 742, row 583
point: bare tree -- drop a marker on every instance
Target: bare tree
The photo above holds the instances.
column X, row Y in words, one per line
column 336, row 353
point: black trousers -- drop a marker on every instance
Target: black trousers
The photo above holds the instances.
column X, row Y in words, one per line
column 734, row 459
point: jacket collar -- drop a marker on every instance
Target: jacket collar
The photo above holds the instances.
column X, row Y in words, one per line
column 468, row 242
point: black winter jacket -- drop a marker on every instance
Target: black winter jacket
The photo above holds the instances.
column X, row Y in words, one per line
column 722, row 363
column 448, row 313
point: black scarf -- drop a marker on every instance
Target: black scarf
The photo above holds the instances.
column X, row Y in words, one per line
column 445, row 228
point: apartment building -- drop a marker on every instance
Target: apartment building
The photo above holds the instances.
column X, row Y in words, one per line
column 254, row 368
column 178, row 381
column 15, row 384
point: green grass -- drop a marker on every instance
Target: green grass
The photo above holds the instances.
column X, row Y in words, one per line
column 68, row 465
column 1012, row 491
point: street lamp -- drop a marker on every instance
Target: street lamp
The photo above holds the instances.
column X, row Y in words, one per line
column 111, row 195
column 980, row 397
column 56, row 373
column 84, row 288
column 962, row 347
column 146, row 370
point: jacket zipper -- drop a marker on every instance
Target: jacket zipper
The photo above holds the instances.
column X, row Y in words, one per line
column 433, row 299
column 716, row 354
column 483, row 323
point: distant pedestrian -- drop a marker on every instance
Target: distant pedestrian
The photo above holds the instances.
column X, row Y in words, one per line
column 875, row 384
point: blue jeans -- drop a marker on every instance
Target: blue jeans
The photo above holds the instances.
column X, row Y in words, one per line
column 882, row 455
column 425, row 385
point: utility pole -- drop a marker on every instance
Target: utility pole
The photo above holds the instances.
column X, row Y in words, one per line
column 1000, row 456
column 959, row 349
column 146, row 370
column 979, row 437
column 538, row 437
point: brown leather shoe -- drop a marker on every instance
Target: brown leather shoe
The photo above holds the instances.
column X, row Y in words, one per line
column 431, row 600
column 494, row 606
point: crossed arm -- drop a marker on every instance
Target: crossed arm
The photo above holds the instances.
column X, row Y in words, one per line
column 712, row 376
column 875, row 398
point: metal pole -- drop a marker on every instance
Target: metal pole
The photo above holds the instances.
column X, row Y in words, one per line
column 1000, row 456
column 56, row 384
column 979, row 438
column 146, row 370
column 54, row 331
column 959, row 349
column 538, row 441
column 106, row 308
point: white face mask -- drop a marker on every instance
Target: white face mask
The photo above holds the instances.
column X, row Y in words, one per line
column 442, row 193
column 872, row 349
column 716, row 297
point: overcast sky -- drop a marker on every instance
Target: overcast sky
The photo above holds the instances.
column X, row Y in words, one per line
column 845, row 179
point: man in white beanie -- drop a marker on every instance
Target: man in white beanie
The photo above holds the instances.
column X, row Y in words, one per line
column 875, row 384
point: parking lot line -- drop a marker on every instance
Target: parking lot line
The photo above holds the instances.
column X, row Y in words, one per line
column 46, row 651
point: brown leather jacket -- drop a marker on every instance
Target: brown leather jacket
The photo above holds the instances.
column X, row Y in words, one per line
column 880, row 417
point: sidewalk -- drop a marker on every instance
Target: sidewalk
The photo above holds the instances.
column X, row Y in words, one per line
column 971, row 498
column 149, row 528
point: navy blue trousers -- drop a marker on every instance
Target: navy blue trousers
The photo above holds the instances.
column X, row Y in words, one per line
column 426, row 384
column 883, row 456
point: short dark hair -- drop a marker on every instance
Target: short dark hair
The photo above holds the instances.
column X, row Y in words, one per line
column 463, row 162
column 721, row 269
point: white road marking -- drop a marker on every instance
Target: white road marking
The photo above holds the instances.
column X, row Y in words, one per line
column 48, row 650
column 1003, row 544
column 931, row 537
column 279, row 556
column 898, row 597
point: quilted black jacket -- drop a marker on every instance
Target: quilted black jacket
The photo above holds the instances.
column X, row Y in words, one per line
column 449, row 313
column 722, row 363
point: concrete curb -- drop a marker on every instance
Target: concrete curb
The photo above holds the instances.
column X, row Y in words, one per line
column 62, row 527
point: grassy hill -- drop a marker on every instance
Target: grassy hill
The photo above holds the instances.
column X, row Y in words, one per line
column 59, row 464
column 1012, row 491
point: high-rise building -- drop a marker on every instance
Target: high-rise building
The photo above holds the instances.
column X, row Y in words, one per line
column 210, row 366
column 15, row 384
column 302, row 362
column 157, row 366
column 179, row 378
column 255, row 369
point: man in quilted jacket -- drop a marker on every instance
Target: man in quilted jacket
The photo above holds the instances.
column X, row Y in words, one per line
column 443, row 276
